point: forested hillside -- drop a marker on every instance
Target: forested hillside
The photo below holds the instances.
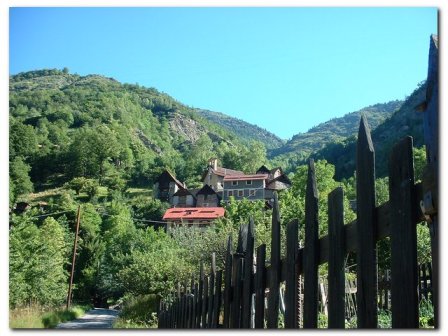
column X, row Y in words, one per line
column 64, row 126
column 245, row 131
column 335, row 129
column 405, row 121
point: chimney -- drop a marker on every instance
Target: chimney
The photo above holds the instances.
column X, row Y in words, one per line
column 213, row 163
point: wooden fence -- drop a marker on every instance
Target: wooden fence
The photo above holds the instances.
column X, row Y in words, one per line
column 424, row 287
column 227, row 298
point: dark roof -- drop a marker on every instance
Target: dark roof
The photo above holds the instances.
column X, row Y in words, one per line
column 225, row 171
column 183, row 192
column 206, row 190
column 282, row 178
column 272, row 171
column 221, row 172
column 263, row 170
column 166, row 173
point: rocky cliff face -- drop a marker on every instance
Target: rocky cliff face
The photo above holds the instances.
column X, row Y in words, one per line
column 186, row 127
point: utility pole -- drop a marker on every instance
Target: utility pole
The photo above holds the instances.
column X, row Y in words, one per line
column 69, row 295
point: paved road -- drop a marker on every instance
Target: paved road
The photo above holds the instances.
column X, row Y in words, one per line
column 96, row 318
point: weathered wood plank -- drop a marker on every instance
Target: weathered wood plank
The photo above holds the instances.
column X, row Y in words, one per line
column 292, row 274
column 235, row 321
column 403, row 237
column 311, row 250
column 194, row 287
column 178, row 307
column 228, row 283
column 248, row 276
column 211, row 288
column 182, row 310
column 367, row 276
column 260, row 285
column 204, row 304
column 431, row 136
column 200, row 296
column 242, row 239
column 275, row 269
column 217, row 300
column 336, row 271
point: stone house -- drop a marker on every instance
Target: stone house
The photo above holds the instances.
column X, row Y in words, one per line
column 183, row 198
column 166, row 186
column 214, row 175
column 207, row 197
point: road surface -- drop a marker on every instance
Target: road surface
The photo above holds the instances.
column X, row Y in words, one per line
column 96, row 318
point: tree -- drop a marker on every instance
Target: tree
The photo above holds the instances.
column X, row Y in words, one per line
column 19, row 174
column 12, row 197
column 419, row 162
column 77, row 184
column 54, row 257
column 91, row 249
column 37, row 262
column 22, row 140
column 90, row 149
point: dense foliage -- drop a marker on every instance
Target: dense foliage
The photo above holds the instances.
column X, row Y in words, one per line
column 65, row 126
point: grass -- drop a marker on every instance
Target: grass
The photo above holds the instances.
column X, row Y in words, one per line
column 122, row 323
column 133, row 192
column 44, row 196
column 138, row 313
column 26, row 318
column 36, row 317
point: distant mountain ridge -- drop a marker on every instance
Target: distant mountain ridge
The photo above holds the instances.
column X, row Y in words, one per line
column 405, row 121
column 336, row 129
column 244, row 130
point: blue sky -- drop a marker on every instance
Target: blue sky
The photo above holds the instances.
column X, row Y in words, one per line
column 284, row 69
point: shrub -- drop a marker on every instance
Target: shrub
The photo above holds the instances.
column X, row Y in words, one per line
column 138, row 312
column 52, row 319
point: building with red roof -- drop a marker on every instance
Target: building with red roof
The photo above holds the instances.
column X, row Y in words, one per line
column 192, row 217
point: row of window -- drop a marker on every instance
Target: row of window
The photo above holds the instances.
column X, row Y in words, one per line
column 240, row 192
column 235, row 183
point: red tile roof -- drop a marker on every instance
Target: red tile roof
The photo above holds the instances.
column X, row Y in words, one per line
column 245, row 177
column 193, row 213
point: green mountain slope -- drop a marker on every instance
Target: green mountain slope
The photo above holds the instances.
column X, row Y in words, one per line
column 244, row 130
column 65, row 125
column 405, row 121
column 334, row 130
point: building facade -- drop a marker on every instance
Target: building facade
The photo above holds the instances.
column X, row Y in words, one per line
column 251, row 187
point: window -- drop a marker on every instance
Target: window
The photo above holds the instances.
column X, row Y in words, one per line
column 249, row 182
column 229, row 193
column 240, row 193
column 252, row 192
column 234, row 183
